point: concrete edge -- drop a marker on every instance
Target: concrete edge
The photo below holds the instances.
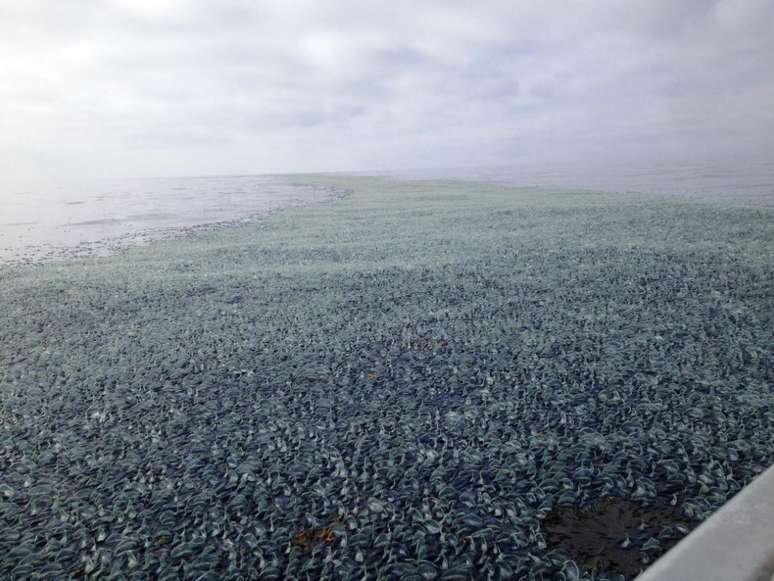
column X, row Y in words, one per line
column 734, row 544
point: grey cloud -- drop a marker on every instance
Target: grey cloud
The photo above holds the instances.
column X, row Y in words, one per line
column 138, row 87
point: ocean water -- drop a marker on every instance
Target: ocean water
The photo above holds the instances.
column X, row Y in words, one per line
column 42, row 221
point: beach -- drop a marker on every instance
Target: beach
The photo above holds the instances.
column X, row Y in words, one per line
column 420, row 379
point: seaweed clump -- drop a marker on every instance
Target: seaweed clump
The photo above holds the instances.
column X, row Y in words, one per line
column 614, row 534
column 307, row 539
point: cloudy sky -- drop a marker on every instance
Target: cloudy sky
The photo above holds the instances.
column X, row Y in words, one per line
column 191, row 87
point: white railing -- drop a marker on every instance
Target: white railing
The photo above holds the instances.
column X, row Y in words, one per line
column 734, row 544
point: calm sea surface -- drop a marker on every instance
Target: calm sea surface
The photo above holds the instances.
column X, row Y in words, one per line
column 44, row 220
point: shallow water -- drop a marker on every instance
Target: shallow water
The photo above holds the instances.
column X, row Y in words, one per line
column 51, row 220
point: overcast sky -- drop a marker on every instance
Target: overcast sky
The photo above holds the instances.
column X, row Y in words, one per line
column 191, row 87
